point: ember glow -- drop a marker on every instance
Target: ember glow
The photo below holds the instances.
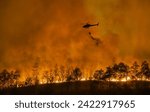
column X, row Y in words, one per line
column 83, row 79
column 42, row 41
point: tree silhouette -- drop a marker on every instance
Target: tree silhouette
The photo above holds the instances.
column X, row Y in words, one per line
column 115, row 69
column 145, row 70
column 98, row 74
column 70, row 78
column 16, row 77
column 123, row 70
column 5, row 78
column 28, row 81
column 60, row 73
column 109, row 73
column 134, row 70
column 77, row 73
column 68, row 75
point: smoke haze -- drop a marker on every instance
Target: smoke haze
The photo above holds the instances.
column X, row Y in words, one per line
column 127, row 22
column 51, row 32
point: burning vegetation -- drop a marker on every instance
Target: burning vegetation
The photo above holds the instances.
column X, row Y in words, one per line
column 68, row 50
column 59, row 74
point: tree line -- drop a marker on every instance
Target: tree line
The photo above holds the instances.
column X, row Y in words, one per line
column 61, row 74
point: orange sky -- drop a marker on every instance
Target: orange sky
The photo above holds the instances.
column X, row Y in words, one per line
column 51, row 31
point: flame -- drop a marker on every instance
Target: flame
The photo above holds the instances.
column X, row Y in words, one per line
column 83, row 79
column 61, row 77
column 113, row 80
column 128, row 78
column 123, row 80
column 56, row 81
column 138, row 79
column 63, row 41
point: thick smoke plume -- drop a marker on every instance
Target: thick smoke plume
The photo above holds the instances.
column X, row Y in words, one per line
column 124, row 24
column 50, row 32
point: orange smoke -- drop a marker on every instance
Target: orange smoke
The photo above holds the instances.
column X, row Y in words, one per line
column 50, row 32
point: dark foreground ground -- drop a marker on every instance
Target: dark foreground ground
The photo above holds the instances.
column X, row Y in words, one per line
column 83, row 88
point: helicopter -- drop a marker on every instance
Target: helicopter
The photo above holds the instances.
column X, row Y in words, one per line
column 90, row 25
